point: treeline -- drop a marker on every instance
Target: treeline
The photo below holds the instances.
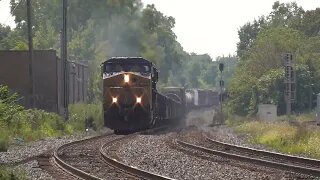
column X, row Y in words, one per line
column 99, row 29
column 259, row 76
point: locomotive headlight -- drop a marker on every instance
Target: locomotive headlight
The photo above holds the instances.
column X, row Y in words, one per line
column 138, row 100
column 126, row 78
column 114, row 99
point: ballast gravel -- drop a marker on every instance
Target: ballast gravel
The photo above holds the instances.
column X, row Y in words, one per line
column 152, row 153
column 21, row 151
column 22, row 156
column 33, row 171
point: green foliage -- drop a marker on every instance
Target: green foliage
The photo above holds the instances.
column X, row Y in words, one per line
column 4, row 139
column 11, row 174
column 283, row 137
column 4, row 31
column 101, row 29
column 33, row 124
column 79, row 113
column 259, row 75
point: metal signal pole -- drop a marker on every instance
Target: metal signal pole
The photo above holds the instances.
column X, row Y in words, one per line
column 221, row 83
column 64, row 58
column 290, row 82
column 30, row 43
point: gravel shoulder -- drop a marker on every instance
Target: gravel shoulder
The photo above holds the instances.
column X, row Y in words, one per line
column 155, row 154
column 21, row 155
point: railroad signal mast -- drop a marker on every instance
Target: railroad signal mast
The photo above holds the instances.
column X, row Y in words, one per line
column 289, row 81
column 221, row 83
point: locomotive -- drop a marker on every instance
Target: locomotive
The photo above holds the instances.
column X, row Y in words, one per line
column 131, row 101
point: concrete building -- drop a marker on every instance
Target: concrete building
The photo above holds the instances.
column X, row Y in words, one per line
column 267, row 112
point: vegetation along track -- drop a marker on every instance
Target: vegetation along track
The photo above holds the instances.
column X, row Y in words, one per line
column 90, row 159
column 265, row 158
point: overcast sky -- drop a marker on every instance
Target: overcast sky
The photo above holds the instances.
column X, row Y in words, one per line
column 204, row 26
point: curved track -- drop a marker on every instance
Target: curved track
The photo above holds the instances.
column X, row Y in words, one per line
column 265, row 158
column 82, row 160
column 90, row 159
column 133, row 170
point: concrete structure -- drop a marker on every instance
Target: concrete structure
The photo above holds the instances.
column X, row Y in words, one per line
column 48, row 79
column 267, row 112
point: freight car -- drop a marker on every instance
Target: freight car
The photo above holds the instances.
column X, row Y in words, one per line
column 198, row 98
column 131, row 101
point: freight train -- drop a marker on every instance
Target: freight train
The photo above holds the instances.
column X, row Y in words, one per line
column 131, row 101
column 199, row 98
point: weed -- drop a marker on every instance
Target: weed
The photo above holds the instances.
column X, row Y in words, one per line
column 282, row 136
column 10, row 174
column 33, row 124
column 80, row 113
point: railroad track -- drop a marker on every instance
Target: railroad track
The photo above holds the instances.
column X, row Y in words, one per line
column 265, row 158
column 90, row 159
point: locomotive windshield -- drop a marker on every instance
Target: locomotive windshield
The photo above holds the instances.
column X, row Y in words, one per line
column 114, row 68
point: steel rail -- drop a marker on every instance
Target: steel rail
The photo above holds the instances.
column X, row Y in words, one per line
column 266, row 153
column 272, row 164
column 84, row 175
column 132, row 170
column 70, row 169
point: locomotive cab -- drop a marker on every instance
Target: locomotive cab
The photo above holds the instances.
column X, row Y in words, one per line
column 127, row 93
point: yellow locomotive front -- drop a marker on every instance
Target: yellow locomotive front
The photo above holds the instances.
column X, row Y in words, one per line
column 127, row 94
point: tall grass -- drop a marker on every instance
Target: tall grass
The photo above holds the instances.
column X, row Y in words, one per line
column 10, row 174
column 80, row 113
column 284, row 137
column 17, row 123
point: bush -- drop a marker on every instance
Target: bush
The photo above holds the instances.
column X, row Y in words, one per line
column 26, row 125
column 80, row 113
column 33, row 124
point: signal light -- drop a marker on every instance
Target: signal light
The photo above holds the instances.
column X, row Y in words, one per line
column 138, row 99
column 114, row 99
column 126, row 78
column 221, row 67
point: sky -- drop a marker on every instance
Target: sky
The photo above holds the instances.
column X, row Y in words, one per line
column 204, row 26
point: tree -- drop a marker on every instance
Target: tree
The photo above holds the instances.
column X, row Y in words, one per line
column 101, row 29
column 4, row 31
column 247, row 35
column 260, row 77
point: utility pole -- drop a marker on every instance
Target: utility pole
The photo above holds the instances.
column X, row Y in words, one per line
column 221, row 83
column 64, row 59
column 30, row 43
column 290, row 82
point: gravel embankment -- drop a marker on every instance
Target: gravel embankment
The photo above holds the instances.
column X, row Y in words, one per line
column 24, row 152
column 152, row 153
column 203, row 119
column 227, row 135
